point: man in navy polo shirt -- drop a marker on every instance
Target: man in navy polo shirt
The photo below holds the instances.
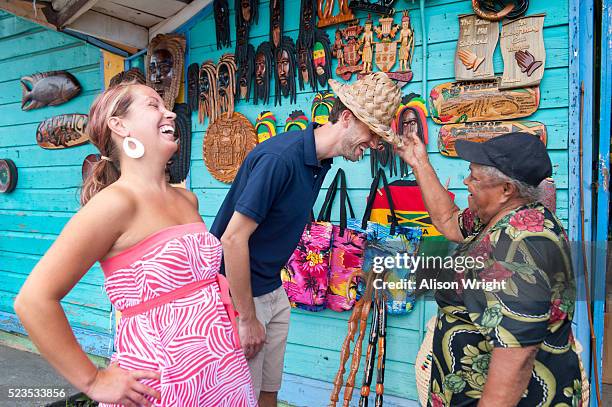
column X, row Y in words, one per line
column 264, row 214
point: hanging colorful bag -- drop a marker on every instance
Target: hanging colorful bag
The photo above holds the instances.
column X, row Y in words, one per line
column 306, row 274
column 347, row 250
column 388, row 241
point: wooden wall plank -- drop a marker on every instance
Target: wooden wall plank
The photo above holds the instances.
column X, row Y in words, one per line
column 29, row 43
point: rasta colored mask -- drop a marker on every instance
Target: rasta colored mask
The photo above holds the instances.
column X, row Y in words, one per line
column 265, row 126
column 321, row 57
column 164, row 63
column 322, row 106
column 297, row 120
column 411, row 115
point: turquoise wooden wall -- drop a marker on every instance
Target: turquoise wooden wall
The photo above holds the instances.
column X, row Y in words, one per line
column 315, row 338
column 33, row 215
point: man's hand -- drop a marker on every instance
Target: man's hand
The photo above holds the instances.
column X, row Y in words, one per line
column 252, row 336
column 413, row 152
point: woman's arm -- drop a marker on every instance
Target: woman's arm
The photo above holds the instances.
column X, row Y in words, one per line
column 87, row 238
column 442, row 210
column 508, row 376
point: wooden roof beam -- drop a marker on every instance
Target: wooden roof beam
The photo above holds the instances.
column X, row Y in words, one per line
column 41, row 14
column 180, row 18
column 72, row 11
column 107, row 28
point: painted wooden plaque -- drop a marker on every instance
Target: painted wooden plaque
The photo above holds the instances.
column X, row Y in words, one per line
column 62, row 131
column 458, row 102
column 475, row 47
column 483, row 131
column 522, row 47
column 226, row 144
column 8, row 176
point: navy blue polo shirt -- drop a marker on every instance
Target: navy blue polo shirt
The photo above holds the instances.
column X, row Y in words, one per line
column 276, row 186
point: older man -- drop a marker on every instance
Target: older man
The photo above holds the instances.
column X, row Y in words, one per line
column 509, row 343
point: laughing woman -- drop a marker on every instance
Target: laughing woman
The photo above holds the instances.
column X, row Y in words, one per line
column 175, row 344
column 510, row 344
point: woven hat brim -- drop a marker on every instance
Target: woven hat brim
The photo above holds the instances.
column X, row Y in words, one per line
column 383, row 130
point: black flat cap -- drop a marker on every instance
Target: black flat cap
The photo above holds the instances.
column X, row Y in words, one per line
column 519, row 155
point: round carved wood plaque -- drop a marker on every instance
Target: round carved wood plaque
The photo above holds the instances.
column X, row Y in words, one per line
column 8, row 175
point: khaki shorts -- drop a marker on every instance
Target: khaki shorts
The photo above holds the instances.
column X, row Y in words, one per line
column 273, row 311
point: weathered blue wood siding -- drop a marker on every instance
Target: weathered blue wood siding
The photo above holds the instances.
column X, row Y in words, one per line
column 33, row 215
column 315, row 338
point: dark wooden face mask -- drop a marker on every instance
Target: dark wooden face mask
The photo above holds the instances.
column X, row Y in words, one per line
column 132, row 75
column 63, row 131
column 48, row 89
column 226, row 84
column 284, row 73
column 222, row 26
column 276, row 22
column 264, row 60
column 179, row 163
column 193, row 86
column 164, row 63
column 208, row 92
column 245, row 75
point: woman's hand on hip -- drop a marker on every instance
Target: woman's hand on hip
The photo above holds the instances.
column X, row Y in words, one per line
column 120, row 386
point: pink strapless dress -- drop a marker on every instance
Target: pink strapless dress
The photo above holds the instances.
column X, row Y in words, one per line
column 177, row 319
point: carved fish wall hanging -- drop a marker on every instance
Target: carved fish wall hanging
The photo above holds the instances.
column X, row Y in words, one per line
column 48, row 89
column 62, row 131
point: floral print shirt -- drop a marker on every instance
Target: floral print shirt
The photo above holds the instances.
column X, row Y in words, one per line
column 528, row 254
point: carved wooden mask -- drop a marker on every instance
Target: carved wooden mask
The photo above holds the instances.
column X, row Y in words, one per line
column 245, row 75
column 276, row 22
column 164, row 63
column 285, row 60
column 264, row 65
column 226, row 84
column 321, row 57
column 222, row 25
column 208, row 92
column 179, row 163
column 193, row 86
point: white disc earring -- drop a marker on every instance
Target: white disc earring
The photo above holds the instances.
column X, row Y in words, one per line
column 133, row 152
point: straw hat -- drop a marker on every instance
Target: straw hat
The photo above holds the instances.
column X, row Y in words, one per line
column 373, row 100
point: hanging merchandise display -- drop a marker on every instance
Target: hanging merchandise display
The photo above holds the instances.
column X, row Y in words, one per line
column 265, row 126
column 483, row 131
column 245, row 75
column 264, row 67
column 457, row 102
column 62, row 131
column 495, row 10
column 246, row 14
column 48, row 89
column 284, row 72
column 178, row 167
column 88, row 165
column 193, row 86
column 164, row 64
column 382, row 7
column 475, row 47
column 406, row 41
column 208, row 105
column 325, row 9
column 226, row 143
column 8, row 176
column 321, row 107
column 523, row 52
column 386, row 46
column 222, row 25
column 346, row 49
column 226, row 85
column 131, row 75
column 276, row 22
column 297, row 120
column 305, row 44
column 321, row 57
column 366, row 43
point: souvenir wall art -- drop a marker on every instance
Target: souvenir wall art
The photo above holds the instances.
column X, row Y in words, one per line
column 379, row 7
column 265, row 126
column 386, row 47
column 483, row 131
column 164, row 63
column 242, row 41
column 48, row 89
column 321, row 56
column 457, row 102
column 88, row 165
column 297, row 120
column 193, row 86
column 179, row 163
column 8, row 176
column 325, row 8
column 366, row 43
column 226, row 143
column 347, row 51
column 475, row 47
column 245, row 75
column 226, row 85
column 522, row 47
column 406, row 41
column 222, row 26
column 276, row 22
column 495, row 10
column 247, row 10
column 131, row 75
column 208, row 92
column 62, row 131
column 264, row 67
column 305, row 44
column 284, row 72
column 322, row 106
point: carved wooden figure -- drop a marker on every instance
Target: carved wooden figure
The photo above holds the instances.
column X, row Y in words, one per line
column 475, row 47
column 325, row 8
column 366, row 43
column 347, row 51
column 456, row 102
column 522, row 47
column 8, row 176
column 483, row 131
column 62, row 131
column 226, row 143
column 48, row 89
column 164, row 63
column 406, row 41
